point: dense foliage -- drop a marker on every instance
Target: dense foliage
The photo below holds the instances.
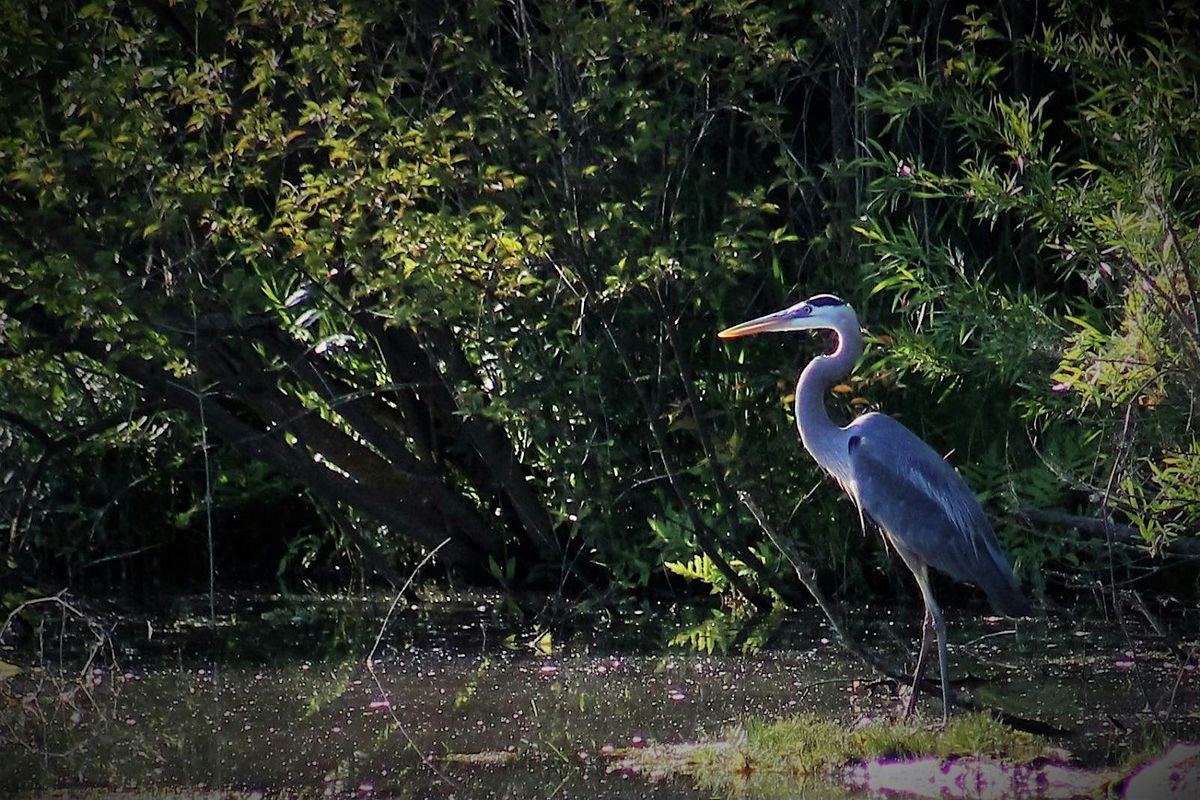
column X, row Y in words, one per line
column 452, row 273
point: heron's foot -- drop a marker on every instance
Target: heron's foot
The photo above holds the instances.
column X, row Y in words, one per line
column 934, row 724
column 910, row 717
column 904, row 704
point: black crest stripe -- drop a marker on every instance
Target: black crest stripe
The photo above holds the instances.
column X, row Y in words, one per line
column 823, row 300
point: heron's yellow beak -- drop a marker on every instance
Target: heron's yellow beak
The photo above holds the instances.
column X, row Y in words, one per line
column 779, row 321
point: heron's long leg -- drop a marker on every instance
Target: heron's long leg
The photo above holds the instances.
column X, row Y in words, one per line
column 919, row 675
column 939, row 625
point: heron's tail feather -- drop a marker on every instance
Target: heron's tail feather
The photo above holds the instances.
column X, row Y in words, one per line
column 996, row 578
column 1009, row 601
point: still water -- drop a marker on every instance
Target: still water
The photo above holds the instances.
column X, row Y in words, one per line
column 461, row 696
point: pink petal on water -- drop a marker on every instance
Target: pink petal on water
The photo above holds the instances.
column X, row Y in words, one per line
column 548, row 669
column 376, row 706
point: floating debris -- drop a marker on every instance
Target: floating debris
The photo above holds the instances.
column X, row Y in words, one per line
column 488, row 758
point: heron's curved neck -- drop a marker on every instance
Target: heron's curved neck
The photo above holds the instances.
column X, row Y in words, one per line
column 821, row 436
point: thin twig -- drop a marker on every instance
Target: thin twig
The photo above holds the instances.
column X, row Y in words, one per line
column 1183, row 669
column 986, row 636
column 1182, row 254
column 1124, row 446
column 805, row 572
column 425, row 759
column 57, row 598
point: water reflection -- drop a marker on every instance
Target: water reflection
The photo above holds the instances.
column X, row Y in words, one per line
column 462, row 699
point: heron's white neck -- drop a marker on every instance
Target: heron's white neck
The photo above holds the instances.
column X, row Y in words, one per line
column 821, row 436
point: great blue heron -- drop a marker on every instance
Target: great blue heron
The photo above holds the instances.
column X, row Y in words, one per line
column 919, row 502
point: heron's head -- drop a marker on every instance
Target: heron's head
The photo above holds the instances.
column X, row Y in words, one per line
column 822, row 312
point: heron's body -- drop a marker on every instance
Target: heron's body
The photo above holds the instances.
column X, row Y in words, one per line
column 920, row 503
column 907, row 486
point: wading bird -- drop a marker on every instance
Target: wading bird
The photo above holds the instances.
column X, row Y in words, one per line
column 919, row 502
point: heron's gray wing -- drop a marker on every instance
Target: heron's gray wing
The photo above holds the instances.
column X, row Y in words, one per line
column 926, row 508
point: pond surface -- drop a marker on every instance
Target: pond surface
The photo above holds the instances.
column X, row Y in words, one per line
column 464, row 698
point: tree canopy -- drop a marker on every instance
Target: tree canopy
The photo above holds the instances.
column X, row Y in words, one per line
column 452, row 273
